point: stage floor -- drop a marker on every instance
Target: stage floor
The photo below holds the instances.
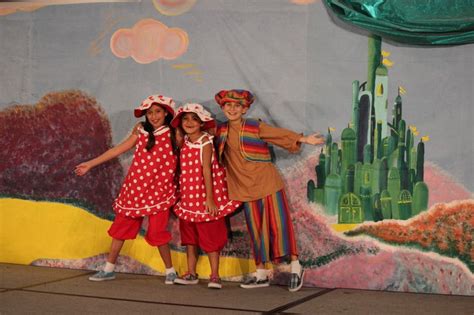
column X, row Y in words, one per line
column 40, row 290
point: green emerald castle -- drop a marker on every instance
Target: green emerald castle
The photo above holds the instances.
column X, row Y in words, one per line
column 376, row 172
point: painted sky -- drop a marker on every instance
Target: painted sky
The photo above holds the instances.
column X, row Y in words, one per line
column 299, row 62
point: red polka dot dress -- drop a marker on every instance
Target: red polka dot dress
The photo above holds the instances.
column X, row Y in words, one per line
column 149, row 185
column 192, row 202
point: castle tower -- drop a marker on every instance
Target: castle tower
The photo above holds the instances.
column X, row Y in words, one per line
column 328, row 153
column 375, row 176
column 393, row 187
column 397, row 111
column 420, row 198
column 366, row 200
column 383, row 174
column 404, row 204
column 404, row 176
column 348, row 138
column 378, row 149
column 386, row 204
column 321, row 170
column 363, row 135
column 334, row 159
column 377, row 207
column 348, row 179
column 393, row 158
column 409, row 146
column 332, row 192
column 380, row 97
column 366, row 191
column 420, row 161
column 413, row 157
column 389, row 145
column 374, row 59
column 310, row 191
column 358, row 177
column 355, row 109
column 401, row 143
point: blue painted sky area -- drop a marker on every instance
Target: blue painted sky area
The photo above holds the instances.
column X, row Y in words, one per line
column 297, row 60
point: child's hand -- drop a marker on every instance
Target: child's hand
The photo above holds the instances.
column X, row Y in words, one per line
column 82, row 169
column 211, row 207
column 314, row 139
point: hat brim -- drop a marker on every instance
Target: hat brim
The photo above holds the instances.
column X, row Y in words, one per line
column 176, row 122
column 223, row 101
column 140, row 112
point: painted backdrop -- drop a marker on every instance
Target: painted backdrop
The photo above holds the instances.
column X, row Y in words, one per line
column 385, row 204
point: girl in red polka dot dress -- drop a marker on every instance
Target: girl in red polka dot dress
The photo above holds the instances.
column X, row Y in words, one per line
column 203, row 201
column 149, row 188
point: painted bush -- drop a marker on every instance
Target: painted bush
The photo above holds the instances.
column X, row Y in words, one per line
column 43, row 143
column 445, row 228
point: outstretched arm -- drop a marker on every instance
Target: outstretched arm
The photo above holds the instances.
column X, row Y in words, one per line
column 206, row 171
column 126, row 145
column 314, row 139
column 287, row 139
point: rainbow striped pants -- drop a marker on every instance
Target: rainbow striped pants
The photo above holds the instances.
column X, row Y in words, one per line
column 270, row 228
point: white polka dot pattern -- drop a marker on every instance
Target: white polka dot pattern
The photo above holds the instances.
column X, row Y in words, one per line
column 192, row 203
column 146, row 190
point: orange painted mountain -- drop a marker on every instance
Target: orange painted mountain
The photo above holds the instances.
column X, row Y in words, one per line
column 42, row 143
column 446, row 228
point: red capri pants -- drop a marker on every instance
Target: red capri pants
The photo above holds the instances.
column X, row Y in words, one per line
column 127, row 228
column 209, row 236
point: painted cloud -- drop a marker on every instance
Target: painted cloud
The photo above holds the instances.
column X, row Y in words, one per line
column 148, row 41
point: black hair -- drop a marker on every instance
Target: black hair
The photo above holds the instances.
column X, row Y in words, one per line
column 151, row 138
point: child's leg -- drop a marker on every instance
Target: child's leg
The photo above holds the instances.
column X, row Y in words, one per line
column 279, row 211
column 165, row 254
column 214, row 279
column 189, row 238
column 192, row 257
column 122, row 229
column 114, row 251
column 212, row 239
column 214, row 262
column 257, row 226
column 157, row 235
column 190, row 277
column 270, row 228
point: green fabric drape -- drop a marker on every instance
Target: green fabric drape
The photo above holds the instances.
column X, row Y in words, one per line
column 422, row 22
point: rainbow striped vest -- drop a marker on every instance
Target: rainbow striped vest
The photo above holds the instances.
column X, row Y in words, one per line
column 251, row 146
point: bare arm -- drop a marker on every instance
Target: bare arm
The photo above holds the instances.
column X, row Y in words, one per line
column 126, row 145
column 206, row 171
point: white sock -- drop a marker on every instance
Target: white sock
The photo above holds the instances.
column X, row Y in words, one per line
column 169, row 270
column 262, row 274
column 295, row 267
column 109, row 267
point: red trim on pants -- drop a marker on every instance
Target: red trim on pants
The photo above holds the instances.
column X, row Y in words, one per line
column 209, row 236
column 127, row 228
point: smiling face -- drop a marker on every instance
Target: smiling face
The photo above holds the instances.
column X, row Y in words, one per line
column 191, row 124
column 234, row 111
column 156, row 116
